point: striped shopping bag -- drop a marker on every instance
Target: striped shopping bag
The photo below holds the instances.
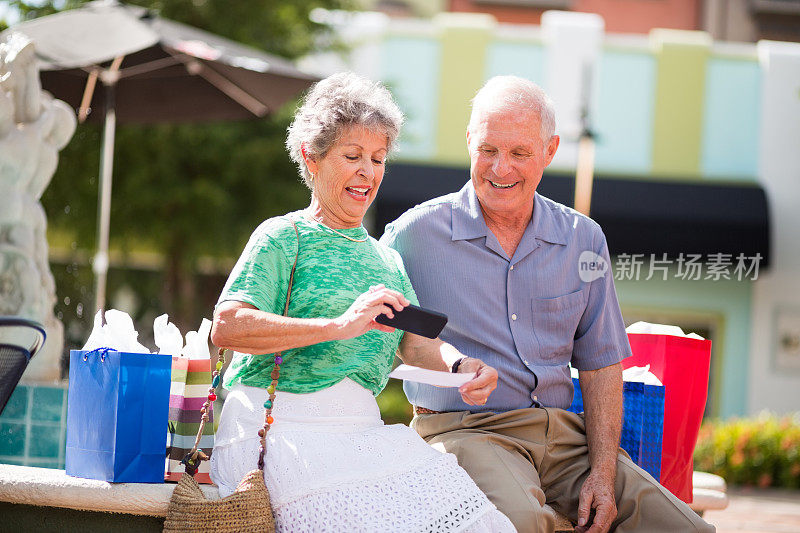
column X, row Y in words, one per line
column 191, row 379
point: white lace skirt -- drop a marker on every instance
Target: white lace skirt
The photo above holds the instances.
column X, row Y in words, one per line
column 332, row 465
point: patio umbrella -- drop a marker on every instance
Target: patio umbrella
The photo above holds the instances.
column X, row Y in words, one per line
column 152, row 70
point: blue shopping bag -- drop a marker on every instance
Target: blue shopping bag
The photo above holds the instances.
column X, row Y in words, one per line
column 642, row 422
column 117, row 408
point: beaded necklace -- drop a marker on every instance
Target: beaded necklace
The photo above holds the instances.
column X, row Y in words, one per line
column 346, row 236
column 349, row 238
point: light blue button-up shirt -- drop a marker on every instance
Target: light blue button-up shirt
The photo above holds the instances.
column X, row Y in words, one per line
column 529, row 315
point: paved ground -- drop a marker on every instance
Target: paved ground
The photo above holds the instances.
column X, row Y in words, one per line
column 758, row 511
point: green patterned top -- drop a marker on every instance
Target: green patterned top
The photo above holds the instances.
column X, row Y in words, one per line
column 331, row 273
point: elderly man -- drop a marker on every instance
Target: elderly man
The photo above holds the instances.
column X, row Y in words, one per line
column 504, row 263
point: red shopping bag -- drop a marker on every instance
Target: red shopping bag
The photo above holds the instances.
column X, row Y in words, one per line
column 682, row 365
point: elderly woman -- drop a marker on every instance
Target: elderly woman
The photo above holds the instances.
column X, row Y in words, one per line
column 331, row 464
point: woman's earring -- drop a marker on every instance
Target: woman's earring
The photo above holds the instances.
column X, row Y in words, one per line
column 312, row 177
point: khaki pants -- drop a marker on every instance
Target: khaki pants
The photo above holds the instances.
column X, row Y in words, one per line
column 525, row 458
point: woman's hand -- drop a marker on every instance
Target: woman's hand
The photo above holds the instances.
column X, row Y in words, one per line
column 360, row 317
column 436, row 354
column 477, row 390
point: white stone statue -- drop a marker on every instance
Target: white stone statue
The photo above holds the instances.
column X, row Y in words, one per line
column 33, row 128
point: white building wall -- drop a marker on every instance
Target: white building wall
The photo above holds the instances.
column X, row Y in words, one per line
column 775, row 337
column 573, row 44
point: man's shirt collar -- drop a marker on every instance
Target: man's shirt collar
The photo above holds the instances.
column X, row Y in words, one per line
column 468, row 221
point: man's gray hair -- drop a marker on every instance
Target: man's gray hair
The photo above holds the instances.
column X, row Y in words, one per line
column 342, row 100
column 513, row 92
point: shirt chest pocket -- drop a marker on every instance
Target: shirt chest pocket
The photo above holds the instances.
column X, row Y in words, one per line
column 555, row 321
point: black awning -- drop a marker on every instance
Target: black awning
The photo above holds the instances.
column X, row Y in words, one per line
column 637, row 216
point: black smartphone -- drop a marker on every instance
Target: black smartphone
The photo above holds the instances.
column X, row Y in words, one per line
column 417, row 320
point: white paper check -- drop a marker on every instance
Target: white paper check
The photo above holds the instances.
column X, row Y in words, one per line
column 430, row 377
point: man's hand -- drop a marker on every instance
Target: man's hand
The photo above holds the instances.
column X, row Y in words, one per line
column 597, row 493
column 602, row 402
column 477, row 390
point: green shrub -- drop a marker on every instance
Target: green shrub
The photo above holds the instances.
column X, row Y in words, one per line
column 762, row 451
column 393, row 404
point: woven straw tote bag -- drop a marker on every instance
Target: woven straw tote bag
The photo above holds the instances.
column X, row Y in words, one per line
column 248, row 508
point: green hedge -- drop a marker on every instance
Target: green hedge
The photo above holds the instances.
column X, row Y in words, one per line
column 393, row 404
column 762, row 451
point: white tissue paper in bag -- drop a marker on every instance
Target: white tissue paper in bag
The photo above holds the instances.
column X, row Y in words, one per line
column 167, row 336
column 97, row 339
column 659, row 329
column 117, row 333
column 641, row 374
column 120, row 332
column 197, row 342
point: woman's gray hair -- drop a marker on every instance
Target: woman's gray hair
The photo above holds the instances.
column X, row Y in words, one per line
column 339, row 101
column 513, row 92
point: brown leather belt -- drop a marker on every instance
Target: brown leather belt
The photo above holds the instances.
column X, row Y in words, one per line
column 423, row 411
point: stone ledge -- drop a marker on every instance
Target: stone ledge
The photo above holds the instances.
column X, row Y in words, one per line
column 704, row 480
column 708, row 500
column 54, row 488
column 708, row 492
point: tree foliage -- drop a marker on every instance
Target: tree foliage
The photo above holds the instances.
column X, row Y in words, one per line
column 188, row 191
